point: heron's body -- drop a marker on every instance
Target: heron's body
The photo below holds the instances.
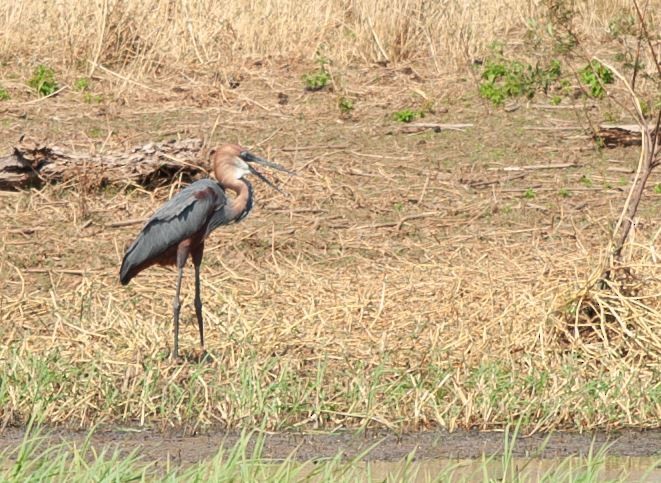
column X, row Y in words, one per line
column 188, row 218
column 179, row 227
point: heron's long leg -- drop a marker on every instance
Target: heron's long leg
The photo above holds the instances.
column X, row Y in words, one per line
column 198, row 306
column 176, row 306
column 182, row 255
column 197, row 260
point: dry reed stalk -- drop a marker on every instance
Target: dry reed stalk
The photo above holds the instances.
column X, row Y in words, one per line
column 142, row 38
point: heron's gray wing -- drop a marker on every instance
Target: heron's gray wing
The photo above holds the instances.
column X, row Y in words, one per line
column 178, row 219
column 185, row 198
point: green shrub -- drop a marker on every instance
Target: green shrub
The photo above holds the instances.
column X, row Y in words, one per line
column 406, row 115
column 316, row 80
column 595, row 75
column 345, row 104
column 43, row 80
column 502, row 79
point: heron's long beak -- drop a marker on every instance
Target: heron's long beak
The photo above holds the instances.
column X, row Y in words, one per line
column 248, row 157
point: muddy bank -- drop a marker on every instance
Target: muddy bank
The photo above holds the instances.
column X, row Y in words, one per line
column 184, row 449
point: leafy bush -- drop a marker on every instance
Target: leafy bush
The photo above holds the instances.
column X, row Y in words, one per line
column 43, row 80
column 595, row 75
column 345, row 104
column 316, row 80
column 504, row 78
column 406, row 115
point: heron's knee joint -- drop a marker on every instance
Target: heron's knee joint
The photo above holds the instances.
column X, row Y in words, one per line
column 176, row 305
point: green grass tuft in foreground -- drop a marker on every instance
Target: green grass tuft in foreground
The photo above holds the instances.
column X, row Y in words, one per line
column 34, row 460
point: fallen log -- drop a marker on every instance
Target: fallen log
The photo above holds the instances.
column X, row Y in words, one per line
column 423, row 126
column 32, row 163
column 613, row 135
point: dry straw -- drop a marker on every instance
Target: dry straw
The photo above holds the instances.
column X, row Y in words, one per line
column 402, row 285
column 321, row 313
column 153, row 36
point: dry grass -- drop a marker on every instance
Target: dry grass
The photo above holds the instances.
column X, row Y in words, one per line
column 384, row 292
column 405, row 284
column 161, row 36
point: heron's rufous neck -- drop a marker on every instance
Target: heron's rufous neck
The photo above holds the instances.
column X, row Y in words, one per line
column 242, row 202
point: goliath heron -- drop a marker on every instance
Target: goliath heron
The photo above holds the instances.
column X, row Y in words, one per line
column 179, row 227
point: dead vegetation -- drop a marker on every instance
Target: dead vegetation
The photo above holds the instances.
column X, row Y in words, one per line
column 160, row 35
column 205, row 46
column 413, row 279
column 385, row 291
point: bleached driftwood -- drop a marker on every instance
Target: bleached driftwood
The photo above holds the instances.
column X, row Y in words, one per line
column 32, row 163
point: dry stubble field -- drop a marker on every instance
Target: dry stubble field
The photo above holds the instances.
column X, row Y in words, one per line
column 408, row 282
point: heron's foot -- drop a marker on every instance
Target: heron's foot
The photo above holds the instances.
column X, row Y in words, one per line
column 201, row 355
column 176, row 358
column 194, row 356
column 207, row 356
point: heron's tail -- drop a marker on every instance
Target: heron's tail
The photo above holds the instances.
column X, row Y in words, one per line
column 126, row 273
column 131, row 262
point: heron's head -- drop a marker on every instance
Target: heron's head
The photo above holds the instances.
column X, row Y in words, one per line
column 232, row 162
